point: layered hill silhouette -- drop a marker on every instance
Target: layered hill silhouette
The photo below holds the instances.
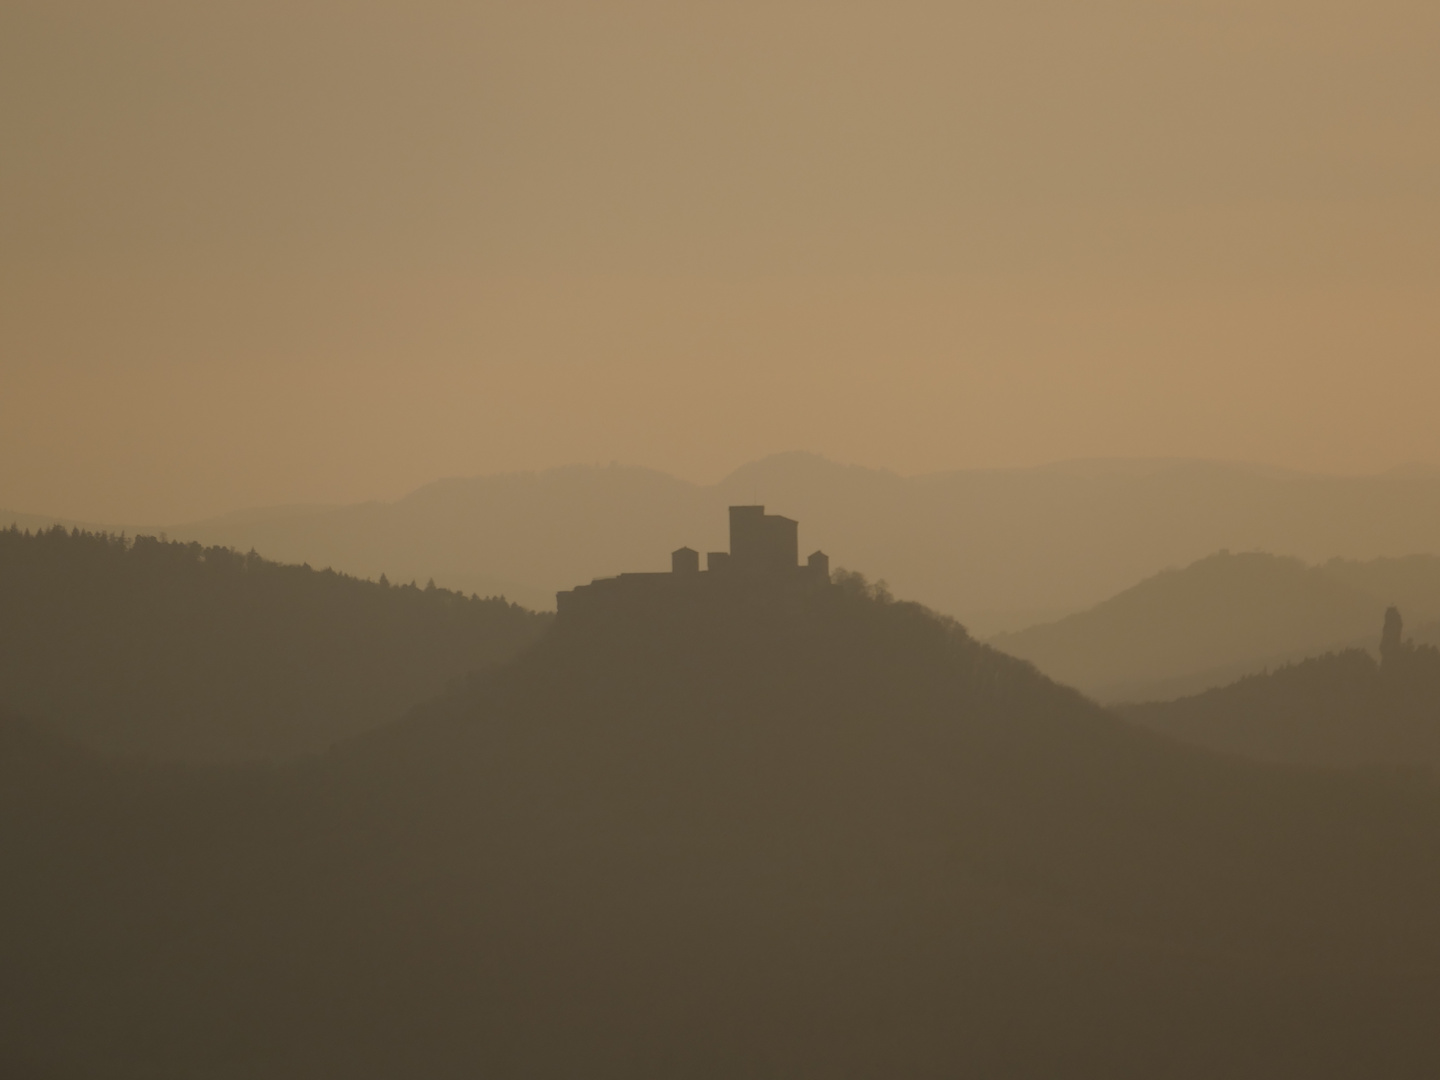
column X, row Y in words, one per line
column 1341, row 709
column 1224, row 617
column 998, row 549
column 817, row 835
column 174, row 651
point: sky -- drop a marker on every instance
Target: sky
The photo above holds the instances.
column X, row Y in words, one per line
column 258, row 253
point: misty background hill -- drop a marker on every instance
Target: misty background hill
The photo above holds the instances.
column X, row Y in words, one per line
column 1226, row 616
column 999, row 549
column 1341, row 709
column 829, row 836
column 176, row 651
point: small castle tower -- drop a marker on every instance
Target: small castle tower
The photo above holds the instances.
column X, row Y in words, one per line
column 1391, row 644
column 819, row 564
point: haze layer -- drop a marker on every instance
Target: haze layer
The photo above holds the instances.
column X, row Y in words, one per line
column 295, row 252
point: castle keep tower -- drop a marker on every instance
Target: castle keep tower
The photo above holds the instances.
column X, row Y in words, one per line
column 762, row 543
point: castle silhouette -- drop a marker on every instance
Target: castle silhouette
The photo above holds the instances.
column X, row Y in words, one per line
column 764, row 557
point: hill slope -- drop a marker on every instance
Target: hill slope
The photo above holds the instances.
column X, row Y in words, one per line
column 1342, row 708
column 827, row 837
column 1223, row 617
column 169, row 650
column 1000, row 548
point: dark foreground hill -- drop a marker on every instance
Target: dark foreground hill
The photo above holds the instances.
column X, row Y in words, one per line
column 1342, row 708
column 825, row 837
column 175, row 651
column 1226, row 616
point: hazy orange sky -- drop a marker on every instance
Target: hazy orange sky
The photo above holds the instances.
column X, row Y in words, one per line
column 270, row 252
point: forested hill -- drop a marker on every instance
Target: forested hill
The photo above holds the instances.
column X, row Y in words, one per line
column 1225, row 616
column 828, row 836
column 1339, row 709
column 175, row 651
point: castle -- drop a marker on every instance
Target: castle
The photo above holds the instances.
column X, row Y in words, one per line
column 764, row 556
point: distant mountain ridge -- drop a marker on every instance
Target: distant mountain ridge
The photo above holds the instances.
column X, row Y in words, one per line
column 1223, row 617
column 999, row 549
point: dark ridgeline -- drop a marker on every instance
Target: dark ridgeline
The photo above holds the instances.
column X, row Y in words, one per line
column 820, row 834
column 175, row 651
column 1340, row 709
column 763, row 563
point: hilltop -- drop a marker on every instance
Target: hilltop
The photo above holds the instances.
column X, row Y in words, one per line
column 1000, row 549
column 168, row 650
column 1221, row 618
column 828, row 835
